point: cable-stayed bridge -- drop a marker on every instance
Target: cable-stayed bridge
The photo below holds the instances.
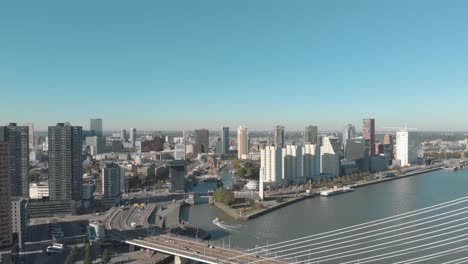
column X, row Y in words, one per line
column 435, row 234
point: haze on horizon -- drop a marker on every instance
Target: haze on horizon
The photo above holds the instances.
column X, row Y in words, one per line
column 185, row 65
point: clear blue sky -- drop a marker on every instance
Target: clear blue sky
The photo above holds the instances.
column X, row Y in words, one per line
column 188, row 64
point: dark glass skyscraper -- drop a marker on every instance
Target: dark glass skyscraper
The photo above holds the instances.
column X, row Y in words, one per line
column 368, row 133
column 278, row 136
column 65, row 163
column 201, row 141
column 310, row 134
column 5, row 196
column 225, row 139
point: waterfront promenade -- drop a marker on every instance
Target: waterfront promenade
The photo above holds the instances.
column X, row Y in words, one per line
column 272, row 205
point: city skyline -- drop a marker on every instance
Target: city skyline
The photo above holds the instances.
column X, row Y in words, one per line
column 211, row 55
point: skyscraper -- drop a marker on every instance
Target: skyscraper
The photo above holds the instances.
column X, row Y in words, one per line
column 31, row 134
column 201, row 141
column 112, row 175
column 225, row 139
column 179, row 151
column 310, row 134
column 18, row 139
column 242, row 142
column 270, row 164
column 330, row 156
column 292, row 162
column 133, row 136
column 5, row 196
column 278, row 136
column 388, row 140
column 123, row 135
column 402, row 147
column 349, row 132
column 65, row 163
column 96, row 125
column 368, row 133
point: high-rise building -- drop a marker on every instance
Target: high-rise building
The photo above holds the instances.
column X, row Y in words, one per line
column 5, row 196
column 402, row 147
column 96, row 125
column 133, row 136
column 179, row 151
column 18, row 139
column 292, row 162
column 31, row 134
column 311, row 160
column 388, row 139
column 278, row 137
column 368, row 133
column 225, row 140
column 19, row 218
column 177, row 171
column 349, row 132
column 201, row 141
column 270, row 164
column 242, row 142
column 330, row 156
column 65, row 163
column 123, row 135
column 310, row 135
column 111, row 177
column 356, row 149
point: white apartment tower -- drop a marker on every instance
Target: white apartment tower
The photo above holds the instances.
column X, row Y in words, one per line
column 292, row 162
column 242, row 142
column 330, row 156
column 311, row 160
column 270, row 164
column 402, row 147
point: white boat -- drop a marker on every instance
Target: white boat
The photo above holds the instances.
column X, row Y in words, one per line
column 336, row 191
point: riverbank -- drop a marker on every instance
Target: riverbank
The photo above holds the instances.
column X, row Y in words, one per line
column 269, row 206
column 272, row 205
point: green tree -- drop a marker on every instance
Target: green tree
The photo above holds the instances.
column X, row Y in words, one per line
column 72, row 257
column 88, row 258
column 240, row 171
column 224, row 196
column 105, row 256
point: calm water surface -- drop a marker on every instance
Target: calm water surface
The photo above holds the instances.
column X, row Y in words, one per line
column 322, row 214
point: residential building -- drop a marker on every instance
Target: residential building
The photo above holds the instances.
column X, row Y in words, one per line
column 111, row 177
column 271, row 164
column 18, row 139
column 311, row 161
column 95, row 124
column 19, row 216
column 330, row 156
column 278, row 137
column 201, row 141
column 242, row 142
column 388, row 139
column 292, row 162
column 147, row 170
column 38, row 190
column 225, row 140
column 368, row 133
column 179, row 151
column 5, row 196
column 402, row 147
column 65, row 163
column 123, row 135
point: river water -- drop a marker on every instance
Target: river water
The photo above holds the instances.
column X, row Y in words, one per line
column 322, row 214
